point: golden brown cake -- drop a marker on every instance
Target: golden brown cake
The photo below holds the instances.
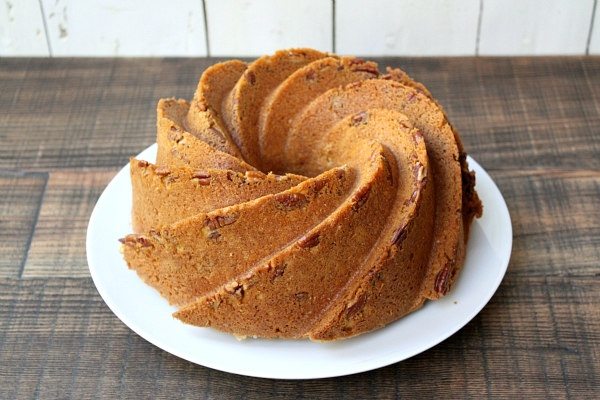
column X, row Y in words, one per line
column 304, row 195
column 205, row 118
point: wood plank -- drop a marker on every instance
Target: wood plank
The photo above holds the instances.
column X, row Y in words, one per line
column 519, row 113
column 515, row 27
column 20, row 199
column 534, row 124
column 22, row 30
column 507, row 116
column 92, row 113
column 254, row 28
column 556, row 217
column 512, row 113
column 556, row 221
column 58, row 243
column 137, row 28
column 405, row 27
column 539, row 335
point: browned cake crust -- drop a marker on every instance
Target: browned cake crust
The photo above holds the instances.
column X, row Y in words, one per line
column 370, row 221
column 193, row 255
column 164, row 195
column 447, row 251
column 391, row 176
column 178, row 147
column 471, row 204
column 298, row 90
column 204, row 118
column 243, row 104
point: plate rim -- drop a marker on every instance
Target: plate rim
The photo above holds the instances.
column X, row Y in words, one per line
column 357, row 367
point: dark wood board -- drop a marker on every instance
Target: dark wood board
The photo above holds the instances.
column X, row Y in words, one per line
column 67, row 126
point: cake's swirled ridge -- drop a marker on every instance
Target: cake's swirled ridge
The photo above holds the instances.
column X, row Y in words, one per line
column 361, row 214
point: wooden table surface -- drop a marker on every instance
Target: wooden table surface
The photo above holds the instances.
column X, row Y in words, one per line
column 67, row 126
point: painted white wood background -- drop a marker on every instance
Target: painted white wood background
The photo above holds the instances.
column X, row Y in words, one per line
column 252, row 27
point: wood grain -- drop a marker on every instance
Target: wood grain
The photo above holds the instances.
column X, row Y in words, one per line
column 20, row 199
column 69, row 199
column 67, row 125
column 556, row 221
column 538, row 335
column 61, row 113
column 520, row 113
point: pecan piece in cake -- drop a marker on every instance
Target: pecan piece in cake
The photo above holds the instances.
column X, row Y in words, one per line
column 290, row 201
column 308, row 241
column 202, row 177
column 360, row 198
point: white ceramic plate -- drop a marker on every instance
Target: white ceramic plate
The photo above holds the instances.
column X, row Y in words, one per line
column 146, row 313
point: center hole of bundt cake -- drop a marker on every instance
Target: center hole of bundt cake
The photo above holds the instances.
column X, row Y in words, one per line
column 306, row 163
column 316, row 147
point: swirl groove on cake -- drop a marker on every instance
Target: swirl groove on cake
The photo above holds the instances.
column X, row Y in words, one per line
column 364, row 216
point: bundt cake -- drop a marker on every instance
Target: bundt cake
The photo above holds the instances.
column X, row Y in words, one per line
column 304, row 195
